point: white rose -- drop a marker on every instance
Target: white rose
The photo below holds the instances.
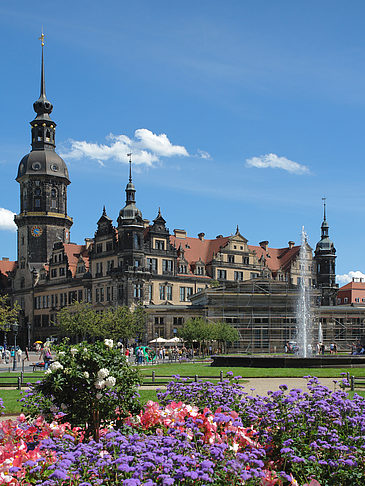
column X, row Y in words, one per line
column 86, row 374
column 73, row 351
column 48, row 372
column 56, row 365
column 110, row 381
column 99, row 384
column 108, row 342
column 103, row 373
column 61, row 353
column 99, row 395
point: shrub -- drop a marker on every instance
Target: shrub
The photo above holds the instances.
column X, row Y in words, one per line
column 89, row 384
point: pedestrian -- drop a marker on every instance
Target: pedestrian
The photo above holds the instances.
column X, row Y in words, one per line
column 19, row 354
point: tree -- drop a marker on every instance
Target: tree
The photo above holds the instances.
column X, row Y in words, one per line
column 79, row 319
column 225, row 333
column 122, row 323
column 196, row 329
column 9, row 314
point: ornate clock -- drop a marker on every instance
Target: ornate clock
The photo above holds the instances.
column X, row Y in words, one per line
column 36, row 231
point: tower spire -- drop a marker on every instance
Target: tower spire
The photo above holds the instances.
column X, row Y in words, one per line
column 324, row 208
column 130, row 166
column 43, row 84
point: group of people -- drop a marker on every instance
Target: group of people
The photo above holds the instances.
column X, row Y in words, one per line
column 358, row 349
column 8, row 354
column 320, row 348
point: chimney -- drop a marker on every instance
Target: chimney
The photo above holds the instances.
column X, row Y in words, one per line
column 146, row 223
column 88, row 242
column 179, row 233
column 5, row 259
column 264, row 245
column 291, row 244
column 201, row 236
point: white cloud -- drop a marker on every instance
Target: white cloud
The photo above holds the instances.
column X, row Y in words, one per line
column 347, row 277
column 273, row 161
column 203, row 154
column 7, row 220
column 146, row 146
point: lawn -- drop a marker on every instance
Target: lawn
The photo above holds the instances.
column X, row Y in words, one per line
column 205, row 370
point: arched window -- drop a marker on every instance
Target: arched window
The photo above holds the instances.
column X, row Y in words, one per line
column 53, row 192
column 48, row 136
column 40, row 136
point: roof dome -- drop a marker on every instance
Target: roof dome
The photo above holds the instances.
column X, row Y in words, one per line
column 129, row 212
column 42, row 162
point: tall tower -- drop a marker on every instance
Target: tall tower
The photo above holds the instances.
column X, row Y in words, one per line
column 43, row 179
column 325, row 260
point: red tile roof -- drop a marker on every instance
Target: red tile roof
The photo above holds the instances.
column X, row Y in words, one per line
column 195, row 248
column 73, row 253
column 353, row 286
column 7, row 266
column 276, row 258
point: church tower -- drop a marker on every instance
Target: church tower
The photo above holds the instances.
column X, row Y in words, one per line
column 325, row 260
column 43, row 179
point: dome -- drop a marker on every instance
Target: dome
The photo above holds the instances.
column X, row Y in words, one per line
column 130, row 212
column 325, row 244
column 42, row 162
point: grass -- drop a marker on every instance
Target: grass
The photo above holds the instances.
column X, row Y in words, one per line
column 201, row 369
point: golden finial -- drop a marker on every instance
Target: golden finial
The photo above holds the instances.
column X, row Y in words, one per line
column 41, row 38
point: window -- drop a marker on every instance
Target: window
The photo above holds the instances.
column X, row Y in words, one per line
column 99, row 248
column 200, row 289
column 362, row 300
column 199, row 270
column 152, row 264
column 185, row 293
column 22, row 240
column 109, row 246
column 167, row 265
column 108, row 294
column 137, row 291
column 168, row 292
column 221, row 274
column 53, row 204
column 110, row 265
column 136, row 241
column 62, row 271
column 357, row 299
column 183, row 269
column 162, row 292
column 97, row 295
column 37, row 203
column 99, row 269
column 238, row 275
column 345, row 300
column 254, row 275
column 159, row 244
column 178, row 321
column 150, row 292
column 101, row 294
column 81, row 268
column 136, row 263
column 245, row 260
column 53, row 192
column 22, row 263
column 230, row 258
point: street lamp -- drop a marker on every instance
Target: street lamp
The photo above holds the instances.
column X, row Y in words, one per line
column 15, row 328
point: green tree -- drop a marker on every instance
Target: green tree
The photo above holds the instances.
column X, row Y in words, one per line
column 224, row 333
column 122, row 323
column 196, row 329
column 79, row 319
column 9, row 314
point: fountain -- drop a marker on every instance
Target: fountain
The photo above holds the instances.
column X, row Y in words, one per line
column 304, row 315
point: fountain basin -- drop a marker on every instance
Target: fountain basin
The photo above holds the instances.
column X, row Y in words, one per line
column 289, row 361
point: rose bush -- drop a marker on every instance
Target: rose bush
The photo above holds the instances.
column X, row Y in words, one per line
column 86, row 385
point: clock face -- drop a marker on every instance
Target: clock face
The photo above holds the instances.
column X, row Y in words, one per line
column 36, row 231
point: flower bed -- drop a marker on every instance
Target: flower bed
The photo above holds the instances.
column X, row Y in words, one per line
column 201, row 434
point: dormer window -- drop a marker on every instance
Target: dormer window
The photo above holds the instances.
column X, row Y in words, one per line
column 159, row 244
column 199, row 270
column 183, row 269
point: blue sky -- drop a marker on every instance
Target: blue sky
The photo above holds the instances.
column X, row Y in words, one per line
column 238, row 112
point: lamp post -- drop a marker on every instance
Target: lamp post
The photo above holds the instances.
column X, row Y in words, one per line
column 15, row 327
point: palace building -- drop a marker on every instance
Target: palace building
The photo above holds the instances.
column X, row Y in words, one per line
column 135, row 261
